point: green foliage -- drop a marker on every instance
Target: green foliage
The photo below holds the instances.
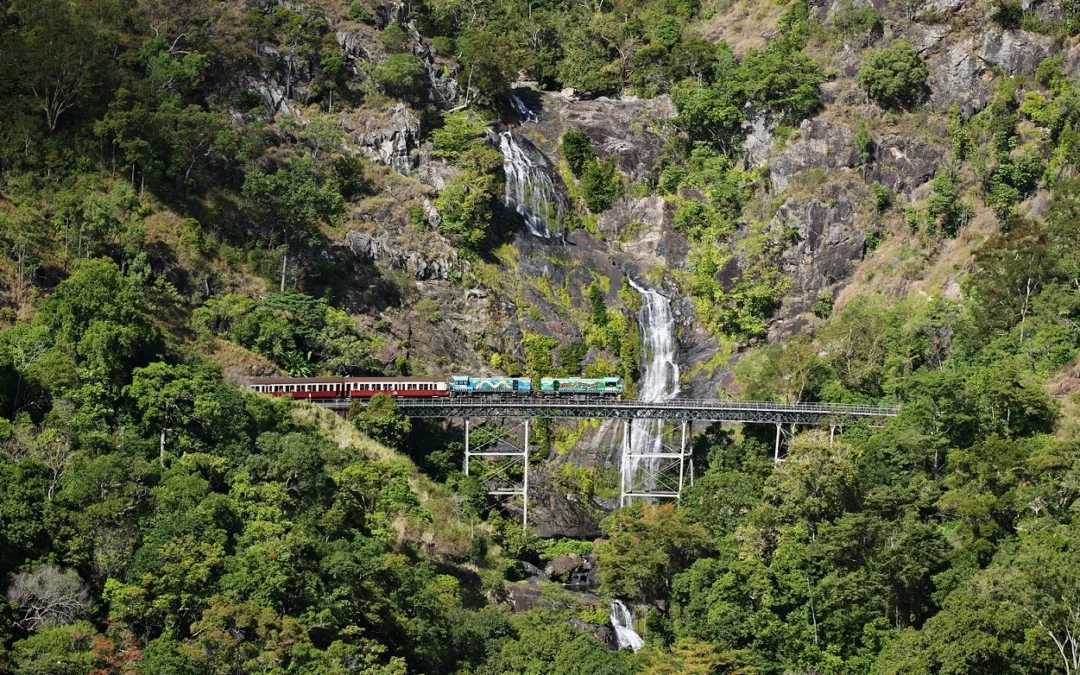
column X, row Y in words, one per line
column 822, row 307
column 381, row 420
column 402, row 76
column 461, row 132
column 646, row 546
column 883, row 199
column 860, row 22
column 946, row 208
column 598, row 313
column 601, row 184
column 784, row 80
column 539, row 354
column 894, row 76
column 298, row 332
column 289, row 203
column 466, row 202
column 578, row 151
column 1012, row 180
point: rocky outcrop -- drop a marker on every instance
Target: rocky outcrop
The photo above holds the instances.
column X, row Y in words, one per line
column 562, row 565
column 902, row 164
column 827, row 246
column 821, row 143
column 958, row 75
column 645, row 225
column 390, row 140
column 1016, row 52
column 759, row 137
column 380, row 248
column 629, row 128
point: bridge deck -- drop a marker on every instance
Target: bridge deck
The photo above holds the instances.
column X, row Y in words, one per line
column 679, row 409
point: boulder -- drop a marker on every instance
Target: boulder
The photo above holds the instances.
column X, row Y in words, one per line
column 563, row 564
column 524, row 596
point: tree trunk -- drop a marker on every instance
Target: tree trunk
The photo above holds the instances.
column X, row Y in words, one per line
column 161, row 445
column 284, row 261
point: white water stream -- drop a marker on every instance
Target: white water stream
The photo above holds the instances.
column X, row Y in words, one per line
column 623, row 623
column 522, row 110
column 659, row 382
column 529, row 188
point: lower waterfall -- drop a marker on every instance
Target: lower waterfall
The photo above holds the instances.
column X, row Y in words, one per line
column 623, row 623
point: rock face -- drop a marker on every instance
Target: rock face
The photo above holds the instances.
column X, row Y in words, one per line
column 390, row 140
column 627, row 128
column 957, row 75
column 646, row 225
column 382, row 249
column 828, row 244
column 902, row 164
column 821, row 143
column 1016, row 52
column 759, row 138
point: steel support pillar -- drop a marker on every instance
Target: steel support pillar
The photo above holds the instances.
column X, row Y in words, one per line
column 654, row 473
column 525, row 489
column 499, row 479
column 832, row 433
column 624, row 463
column 776, row 453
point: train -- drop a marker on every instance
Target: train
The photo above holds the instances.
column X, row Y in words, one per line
column 320, row 388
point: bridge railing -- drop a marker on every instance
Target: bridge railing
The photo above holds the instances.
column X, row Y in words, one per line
column 675, row 404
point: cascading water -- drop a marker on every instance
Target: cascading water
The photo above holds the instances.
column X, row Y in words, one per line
column 660, row 382
column 522, row 110
column 623, row 623
column 529, row 188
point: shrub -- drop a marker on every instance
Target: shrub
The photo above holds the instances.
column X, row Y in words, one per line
column 381, row 420
column 783, row 80
column 822, row 307
column 894, row 76
column 945, row 207
column 853, row 21
column 577, row 150
column 402, row 77
column 601, row 184
column 882, row 197
column 394, row 38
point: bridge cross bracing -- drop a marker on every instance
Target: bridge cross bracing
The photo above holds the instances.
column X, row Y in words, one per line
column 503, row 452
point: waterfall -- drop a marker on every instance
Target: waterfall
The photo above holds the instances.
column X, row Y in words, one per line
column 623, row 623
column 522, row 110
column 660, row 380
column 529, row 188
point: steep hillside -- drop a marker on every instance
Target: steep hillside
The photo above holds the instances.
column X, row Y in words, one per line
column 854, row 202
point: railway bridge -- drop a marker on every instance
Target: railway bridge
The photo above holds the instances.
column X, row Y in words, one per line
column 656, row 473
